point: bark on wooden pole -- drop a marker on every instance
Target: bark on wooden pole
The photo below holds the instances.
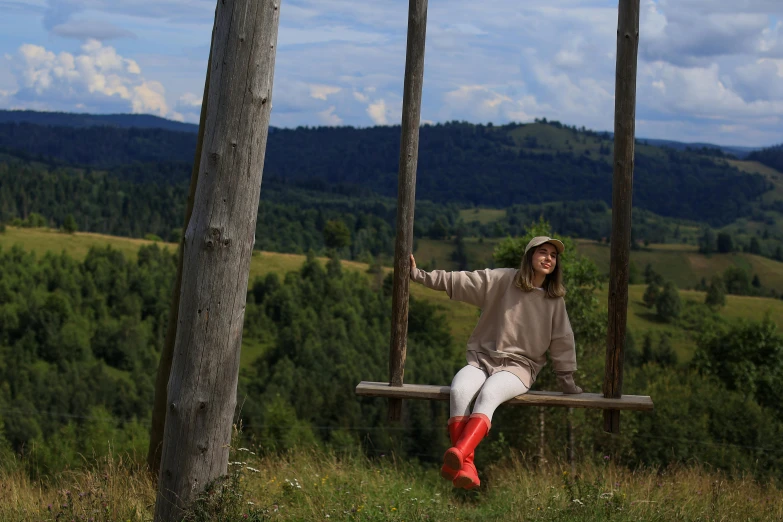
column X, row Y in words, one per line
column 218, row 244
column 571, row 440
column 622, row 194
column 406, row 194
column 164, row 366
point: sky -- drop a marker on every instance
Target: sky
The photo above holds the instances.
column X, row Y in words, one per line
column 708, row 70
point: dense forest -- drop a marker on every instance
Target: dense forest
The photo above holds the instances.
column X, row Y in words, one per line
column 459, row 163
column 133, row 181
column 771, row 157
column 290, row 219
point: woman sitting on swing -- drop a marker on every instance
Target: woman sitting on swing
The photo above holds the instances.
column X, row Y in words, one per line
column 523, row 315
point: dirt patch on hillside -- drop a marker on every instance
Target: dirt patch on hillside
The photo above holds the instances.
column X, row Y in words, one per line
column 698, row 262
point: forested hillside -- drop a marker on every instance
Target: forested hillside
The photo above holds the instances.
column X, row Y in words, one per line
column 290, row 219
column 459, row 163
column 771, row 157
column 79, row 340
column 83, row 120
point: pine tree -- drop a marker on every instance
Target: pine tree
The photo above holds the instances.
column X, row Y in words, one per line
column 336, row 234
column 716, row 293
column 668, row 305
column 725, row 243
column 665, row 354
column 647, row 348
column 651, row 294
column 69, row 224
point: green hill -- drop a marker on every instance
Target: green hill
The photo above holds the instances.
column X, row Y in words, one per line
column 80, row 120
column 462, row 317
column 66, row 319
column 459, row 163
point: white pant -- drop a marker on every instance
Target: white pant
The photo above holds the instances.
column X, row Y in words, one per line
column 492, row 391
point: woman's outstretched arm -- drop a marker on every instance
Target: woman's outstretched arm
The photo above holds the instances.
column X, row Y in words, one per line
column 469, row 287
column 437, row 279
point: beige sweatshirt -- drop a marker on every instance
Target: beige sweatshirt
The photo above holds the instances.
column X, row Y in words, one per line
column 515, row 324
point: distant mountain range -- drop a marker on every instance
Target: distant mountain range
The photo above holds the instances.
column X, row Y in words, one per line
column 67, row 119
column 460, row 163
column 147, row 121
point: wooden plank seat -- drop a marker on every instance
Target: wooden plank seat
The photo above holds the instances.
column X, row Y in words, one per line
column 532, row 398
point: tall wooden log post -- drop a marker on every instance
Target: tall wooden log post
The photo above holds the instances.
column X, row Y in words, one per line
column 167, row 353
column 622, row 192
column 406, row 195
column 218, row 244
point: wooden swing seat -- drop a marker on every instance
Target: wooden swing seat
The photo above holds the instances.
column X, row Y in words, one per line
column 533, row 398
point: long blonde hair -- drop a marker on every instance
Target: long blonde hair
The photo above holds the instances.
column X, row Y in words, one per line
column 553, row 283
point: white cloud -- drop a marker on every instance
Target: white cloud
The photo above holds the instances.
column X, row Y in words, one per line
column 378, row 112
column 328, row 117
column 485, row 104
column 170, row 11
column 190, row 100
column 97, row 78
column 91, row 29
column 568, row 59
column 150, row 97
column 321, row 92
column 706, row 93
column 761, row 80
column 319, row 35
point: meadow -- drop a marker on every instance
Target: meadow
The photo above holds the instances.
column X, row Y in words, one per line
column 313, row 484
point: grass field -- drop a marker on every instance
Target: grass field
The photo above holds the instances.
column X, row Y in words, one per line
column 76, row 245
column 642, row 319
column 683, row 264
column 310, row 485
column 482, row 215
column 668, row 259
column 479, row 252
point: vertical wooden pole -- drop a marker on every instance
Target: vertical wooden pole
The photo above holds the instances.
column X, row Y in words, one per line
column 406, row 195
column 541, row 436
column 571, row 440
column 167, row 352
column 622, row 194
column 201, row 395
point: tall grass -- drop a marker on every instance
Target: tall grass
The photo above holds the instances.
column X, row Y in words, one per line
column 313, row 484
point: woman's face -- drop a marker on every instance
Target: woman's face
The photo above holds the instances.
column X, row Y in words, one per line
column 544, row 259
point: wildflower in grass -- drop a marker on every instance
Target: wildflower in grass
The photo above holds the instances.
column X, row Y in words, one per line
column 254, row 470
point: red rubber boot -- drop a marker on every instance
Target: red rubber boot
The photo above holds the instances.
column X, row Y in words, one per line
column 456, row 457
column 467, row 477
column 456, row 425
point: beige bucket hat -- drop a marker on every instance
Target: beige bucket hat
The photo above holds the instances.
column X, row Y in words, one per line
column 540, row 240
